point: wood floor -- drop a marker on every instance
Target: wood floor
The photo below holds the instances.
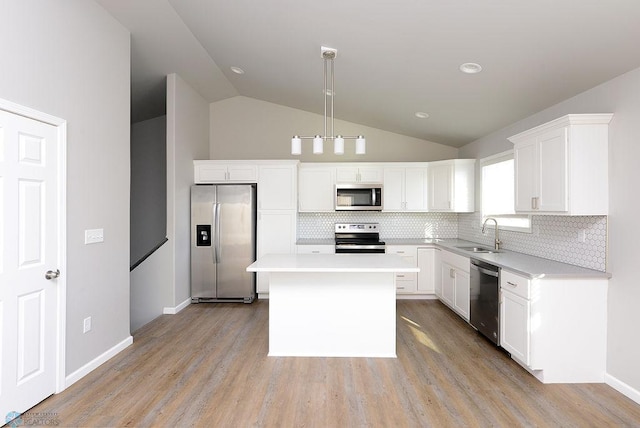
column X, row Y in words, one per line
column 208, row 366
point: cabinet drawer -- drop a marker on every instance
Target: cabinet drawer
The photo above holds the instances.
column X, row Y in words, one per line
column 516, row 284
column 455, row 260
column 405, row 287
column 315, row 249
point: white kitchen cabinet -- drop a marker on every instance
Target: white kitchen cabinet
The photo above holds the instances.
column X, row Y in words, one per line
column 405, row 188
column 316, row 188
column 561, row 167
column 359, row 174
column 406, row 282
column 206, row 171
column 276, row 235
column 316, row 249
column 455, row 282
column 277, row 186
column 555, row 328
column 429, row 275
column 452, row 185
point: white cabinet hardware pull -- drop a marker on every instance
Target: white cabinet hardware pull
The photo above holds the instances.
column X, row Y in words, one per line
column 512, row 284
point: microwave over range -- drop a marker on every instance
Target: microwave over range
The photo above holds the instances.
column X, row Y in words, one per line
column 358, row 197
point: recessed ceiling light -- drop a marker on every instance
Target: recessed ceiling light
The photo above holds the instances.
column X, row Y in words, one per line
column 237, row 70
column 471, row 68
column 422, row 115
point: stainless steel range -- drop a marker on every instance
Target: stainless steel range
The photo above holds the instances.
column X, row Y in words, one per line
column 358, row 238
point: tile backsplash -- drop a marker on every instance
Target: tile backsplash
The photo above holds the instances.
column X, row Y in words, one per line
column 553, row 237
column 392, row 225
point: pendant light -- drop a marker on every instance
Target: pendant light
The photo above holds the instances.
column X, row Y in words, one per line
column 328, row 55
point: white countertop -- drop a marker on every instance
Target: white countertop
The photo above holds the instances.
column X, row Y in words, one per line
column 331, row 263
column 523, row 264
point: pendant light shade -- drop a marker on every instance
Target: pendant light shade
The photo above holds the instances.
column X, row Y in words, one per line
column 317, row 145
column 328, row 55
column 296, row 145
column 338, row 145
column 361, row 147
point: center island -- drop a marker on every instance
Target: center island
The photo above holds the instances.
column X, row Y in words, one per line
column 332, row 305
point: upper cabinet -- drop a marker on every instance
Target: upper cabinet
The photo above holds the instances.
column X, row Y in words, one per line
column 277, row 188
column 316, row 188
column 405, row 188
column 206, row 171
column 359, row 174
column 452, row 185
column 561, row 167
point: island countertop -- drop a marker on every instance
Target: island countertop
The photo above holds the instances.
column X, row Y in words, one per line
column 331, row 263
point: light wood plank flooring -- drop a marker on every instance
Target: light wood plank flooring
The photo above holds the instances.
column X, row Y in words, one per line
column 208, row 366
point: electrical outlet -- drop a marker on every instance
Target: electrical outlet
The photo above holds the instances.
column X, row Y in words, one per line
column 93, row 236
column 86, row 325
column 582, row 235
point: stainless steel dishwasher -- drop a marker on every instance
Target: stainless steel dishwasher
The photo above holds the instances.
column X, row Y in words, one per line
column 484, row 306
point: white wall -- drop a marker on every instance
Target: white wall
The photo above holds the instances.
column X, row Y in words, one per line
column 187, row 139
column 620, row 96
column 247, row 128
column 70, row 59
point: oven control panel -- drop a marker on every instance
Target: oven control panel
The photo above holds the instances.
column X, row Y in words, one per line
column 357, row 227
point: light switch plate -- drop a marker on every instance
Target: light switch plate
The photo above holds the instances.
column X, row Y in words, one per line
column 93, row 236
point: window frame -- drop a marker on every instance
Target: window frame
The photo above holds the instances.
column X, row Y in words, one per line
column 491, row 160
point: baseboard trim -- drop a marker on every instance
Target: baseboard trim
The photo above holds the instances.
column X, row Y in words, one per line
column 96, row 362
column 176, row 309
column 622, row 387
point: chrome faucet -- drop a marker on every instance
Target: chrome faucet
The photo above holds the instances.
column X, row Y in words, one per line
column 497, row 241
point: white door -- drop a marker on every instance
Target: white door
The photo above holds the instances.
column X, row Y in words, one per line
column 552, row 183
column 29, row 248
column 440, row 187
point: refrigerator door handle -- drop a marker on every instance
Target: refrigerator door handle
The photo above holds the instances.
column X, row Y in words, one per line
column 216, row 225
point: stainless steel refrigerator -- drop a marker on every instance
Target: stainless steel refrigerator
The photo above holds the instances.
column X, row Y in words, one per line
column 223, row 242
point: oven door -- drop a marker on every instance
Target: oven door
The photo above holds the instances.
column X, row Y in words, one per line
column 360, row 248
column 358, row 197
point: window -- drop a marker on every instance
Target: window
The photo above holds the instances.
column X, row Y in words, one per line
column 497, row 178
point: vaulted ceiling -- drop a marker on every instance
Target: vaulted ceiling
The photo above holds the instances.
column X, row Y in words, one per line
column 395, row 58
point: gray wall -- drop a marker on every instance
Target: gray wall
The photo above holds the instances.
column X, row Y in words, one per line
column 148, row 186
column 620, row 96
column 70, row 59
column 187, row 139
column 246, row 128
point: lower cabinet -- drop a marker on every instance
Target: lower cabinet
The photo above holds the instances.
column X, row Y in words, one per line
column 429, row 275
column 406, row 283
column 277, row 235
column 555, row 328
column 455, row 282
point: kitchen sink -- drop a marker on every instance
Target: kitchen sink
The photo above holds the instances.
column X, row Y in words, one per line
column 479, row 249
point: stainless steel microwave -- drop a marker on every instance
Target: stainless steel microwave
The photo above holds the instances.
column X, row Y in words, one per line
column 359, row 197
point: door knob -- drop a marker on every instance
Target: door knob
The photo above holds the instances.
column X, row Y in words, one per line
column 52, row 274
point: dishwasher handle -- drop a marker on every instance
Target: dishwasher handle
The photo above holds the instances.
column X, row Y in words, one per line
column 484, row 271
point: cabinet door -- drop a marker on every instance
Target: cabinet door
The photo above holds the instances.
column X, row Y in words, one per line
column 525, row 165
column 448, row 281
column 346, row 175
column 393, row 191
column 441, row 187
column 370, row 175
column 461, row 295
column 427, row 275
column 276, row 235
column 246, row 173
column 316, row 188
column 415, row 189
column 211, row 173
column 514, row 325
column 552, row 170
column 277, row 187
